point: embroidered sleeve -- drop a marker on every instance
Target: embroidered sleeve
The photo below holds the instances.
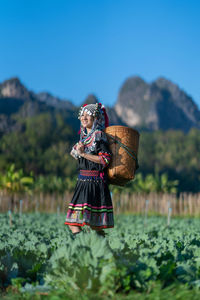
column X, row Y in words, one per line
column 103, row 148
column 104, row 158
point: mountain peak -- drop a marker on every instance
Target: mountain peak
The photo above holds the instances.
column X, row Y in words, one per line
column 12, row 80
column 132, row 83
column 152, row 105
column 13, row 88
column 91, row 99
column 166, row 84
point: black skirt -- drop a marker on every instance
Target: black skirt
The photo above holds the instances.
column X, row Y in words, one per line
column 91, row 203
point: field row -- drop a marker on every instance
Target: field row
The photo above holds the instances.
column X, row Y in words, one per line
column 39, row 252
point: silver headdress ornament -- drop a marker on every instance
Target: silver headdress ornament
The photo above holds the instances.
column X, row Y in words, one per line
column 91, row 109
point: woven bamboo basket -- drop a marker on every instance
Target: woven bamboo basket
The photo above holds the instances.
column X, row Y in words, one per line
column 124, row 144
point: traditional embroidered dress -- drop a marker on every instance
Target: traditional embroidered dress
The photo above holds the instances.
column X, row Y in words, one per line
column 91, row 203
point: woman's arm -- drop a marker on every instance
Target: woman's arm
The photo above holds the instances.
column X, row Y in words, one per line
column 91, row 157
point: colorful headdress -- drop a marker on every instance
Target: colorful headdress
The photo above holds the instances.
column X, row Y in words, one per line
column 90, row 109
column 98, row 111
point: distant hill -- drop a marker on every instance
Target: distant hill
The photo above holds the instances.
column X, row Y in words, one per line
column 17, row 102
column 158, row 105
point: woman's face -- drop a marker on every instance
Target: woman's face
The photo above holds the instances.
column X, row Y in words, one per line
column 87, row 120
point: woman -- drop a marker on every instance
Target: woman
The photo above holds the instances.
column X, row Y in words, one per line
column 91, row 203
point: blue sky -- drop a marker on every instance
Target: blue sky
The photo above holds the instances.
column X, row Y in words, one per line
column 73, row 48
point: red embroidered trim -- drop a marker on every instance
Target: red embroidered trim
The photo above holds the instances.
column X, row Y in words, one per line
column 105, row 158
column 84, row 223
column 104, row 153
column 89, row 172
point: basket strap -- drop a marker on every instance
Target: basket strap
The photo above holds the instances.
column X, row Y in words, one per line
column 130, row 152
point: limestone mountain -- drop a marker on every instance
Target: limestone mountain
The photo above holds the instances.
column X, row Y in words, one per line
column 158, row 105
column 13, row 88
column 14, row 92
column 17, row 103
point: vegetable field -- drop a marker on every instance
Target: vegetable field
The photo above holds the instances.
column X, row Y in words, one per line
column 39, row 255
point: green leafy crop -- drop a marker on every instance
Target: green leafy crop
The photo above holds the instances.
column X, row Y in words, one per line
column 39, row 253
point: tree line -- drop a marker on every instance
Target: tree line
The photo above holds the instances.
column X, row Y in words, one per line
column 43, row 143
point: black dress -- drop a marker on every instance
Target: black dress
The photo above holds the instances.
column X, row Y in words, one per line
column 91, row 203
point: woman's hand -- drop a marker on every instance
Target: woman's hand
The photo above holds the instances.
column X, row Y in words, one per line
column 91, row 157
column 80, row 148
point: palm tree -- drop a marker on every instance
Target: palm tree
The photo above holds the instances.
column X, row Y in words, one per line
column 15, row 182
